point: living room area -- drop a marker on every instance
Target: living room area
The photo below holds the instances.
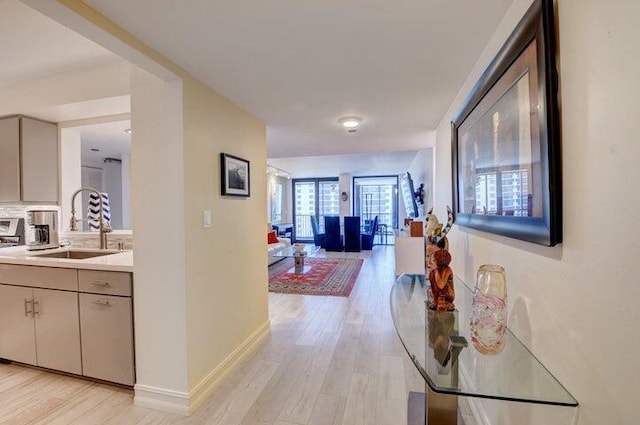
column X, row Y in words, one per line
column 276, row 84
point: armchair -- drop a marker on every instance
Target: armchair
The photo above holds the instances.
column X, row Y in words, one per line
column 318, row 238
column 368, row 236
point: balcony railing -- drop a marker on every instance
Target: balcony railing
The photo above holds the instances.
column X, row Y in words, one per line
column 303, row 231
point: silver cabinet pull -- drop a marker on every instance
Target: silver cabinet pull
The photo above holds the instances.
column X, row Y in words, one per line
column 27, row 310
column 102, row 283
column 36, row 310
column 100, row 302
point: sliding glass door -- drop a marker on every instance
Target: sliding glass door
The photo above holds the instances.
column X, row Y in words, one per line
column 313, row 198
column 377, row 196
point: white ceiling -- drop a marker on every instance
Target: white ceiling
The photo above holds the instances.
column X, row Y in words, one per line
column 297, row 66
column 362, row 164
column 300, row 65
column 34, row 46
column 43, row 63
column 110, row 140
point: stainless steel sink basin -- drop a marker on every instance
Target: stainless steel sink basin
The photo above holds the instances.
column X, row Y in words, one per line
column 75, row 254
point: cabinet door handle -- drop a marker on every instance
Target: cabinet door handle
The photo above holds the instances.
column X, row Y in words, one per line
column 36, row 310
column 27, row 310
column 100, row 302
column 102, row 283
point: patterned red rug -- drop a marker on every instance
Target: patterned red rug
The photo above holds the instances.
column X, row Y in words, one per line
column 327, row 276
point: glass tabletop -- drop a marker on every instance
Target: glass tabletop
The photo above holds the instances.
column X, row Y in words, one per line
column 309, row 249
column 451, row 365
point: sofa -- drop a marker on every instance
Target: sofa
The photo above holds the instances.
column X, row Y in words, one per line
column 275, row 245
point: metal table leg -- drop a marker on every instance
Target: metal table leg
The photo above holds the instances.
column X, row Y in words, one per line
column 441, row 409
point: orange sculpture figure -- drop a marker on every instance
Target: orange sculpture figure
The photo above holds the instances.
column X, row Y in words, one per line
column 441, row 280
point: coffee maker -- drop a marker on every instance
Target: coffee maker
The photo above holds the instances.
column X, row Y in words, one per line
column 42, row 229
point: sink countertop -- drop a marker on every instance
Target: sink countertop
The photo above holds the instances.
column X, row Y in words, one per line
column 119, row 262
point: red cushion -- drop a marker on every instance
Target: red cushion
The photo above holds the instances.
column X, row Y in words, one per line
column 272, row 238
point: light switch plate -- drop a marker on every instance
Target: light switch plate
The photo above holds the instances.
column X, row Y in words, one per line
column 206, row 219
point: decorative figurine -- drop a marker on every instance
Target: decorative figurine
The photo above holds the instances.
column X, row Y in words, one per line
column 434, row 230
column 435, row 235
column 441, row 280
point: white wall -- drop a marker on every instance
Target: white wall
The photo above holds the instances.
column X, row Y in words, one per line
column 344, row 185
column 157, row 195
column 576, row 305
column 272, row 181
column 112, row 185
column 422, row 171
column 126, row 191
column 70, row 172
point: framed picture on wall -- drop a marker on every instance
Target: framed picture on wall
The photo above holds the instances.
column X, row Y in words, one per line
column 506, row 139
column 235, row 177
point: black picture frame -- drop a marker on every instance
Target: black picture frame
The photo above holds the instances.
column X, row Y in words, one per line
column 235, row 176
column 506, row 154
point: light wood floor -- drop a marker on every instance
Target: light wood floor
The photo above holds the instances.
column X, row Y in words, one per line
column 327, row 361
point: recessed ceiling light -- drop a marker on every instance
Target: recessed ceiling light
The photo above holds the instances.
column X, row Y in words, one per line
column 127, row 130
column 350, row 122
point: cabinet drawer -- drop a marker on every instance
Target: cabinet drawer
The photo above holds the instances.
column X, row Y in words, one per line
column 102, row 282
column 39, row 277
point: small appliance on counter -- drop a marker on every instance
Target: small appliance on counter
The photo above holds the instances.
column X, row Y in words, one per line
column 11, row 232
column 42, row 229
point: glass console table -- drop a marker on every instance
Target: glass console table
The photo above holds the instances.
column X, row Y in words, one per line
column 440, row 346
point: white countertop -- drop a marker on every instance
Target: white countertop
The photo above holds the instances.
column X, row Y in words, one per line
column 121, row 261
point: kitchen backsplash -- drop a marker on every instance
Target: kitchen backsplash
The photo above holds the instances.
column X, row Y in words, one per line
column 80, row 239
column 20, row 211
column 92, row 239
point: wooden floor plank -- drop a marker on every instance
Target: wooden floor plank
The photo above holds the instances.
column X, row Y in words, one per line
column 326, row 361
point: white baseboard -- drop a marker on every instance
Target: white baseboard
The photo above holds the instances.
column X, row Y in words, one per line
column 203, row 390
column 186, row 403
column 161, row 399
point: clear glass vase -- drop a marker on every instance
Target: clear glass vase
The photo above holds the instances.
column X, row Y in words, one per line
column 489, row 311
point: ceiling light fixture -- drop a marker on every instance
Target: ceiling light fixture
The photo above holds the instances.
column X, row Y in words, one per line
column 350, row 122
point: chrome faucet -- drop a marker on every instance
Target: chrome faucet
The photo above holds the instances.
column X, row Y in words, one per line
column 104, row 226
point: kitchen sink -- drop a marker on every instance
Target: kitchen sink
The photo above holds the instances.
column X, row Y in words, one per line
column 76, row 254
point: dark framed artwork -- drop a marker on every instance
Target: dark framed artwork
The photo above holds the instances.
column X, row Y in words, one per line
column 506, row 161
column 235, row 176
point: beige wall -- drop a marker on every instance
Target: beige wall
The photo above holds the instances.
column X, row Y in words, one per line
column 226, row 265
column 576, row 305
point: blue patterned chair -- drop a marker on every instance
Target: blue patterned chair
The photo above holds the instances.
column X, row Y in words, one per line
column 368, row 236
column 332, row 236
column 318, row 238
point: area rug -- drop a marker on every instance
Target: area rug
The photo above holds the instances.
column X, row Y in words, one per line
column 327, row 276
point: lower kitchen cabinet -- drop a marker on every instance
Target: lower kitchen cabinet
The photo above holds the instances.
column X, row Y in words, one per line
column 18, row 341
column 107, row 337
column 75, row 321
column 40, row 327
column 57, row 330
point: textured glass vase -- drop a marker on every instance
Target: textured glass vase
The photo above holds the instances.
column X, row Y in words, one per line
column 489, row 312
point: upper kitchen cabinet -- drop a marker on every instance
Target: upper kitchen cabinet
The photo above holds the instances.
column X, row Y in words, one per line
column 28, row 160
